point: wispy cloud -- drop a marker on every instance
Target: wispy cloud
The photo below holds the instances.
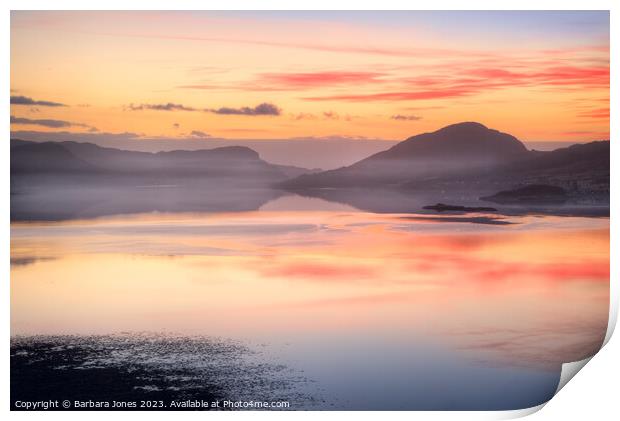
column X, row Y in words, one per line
column 160, row 107
column 406, row 117
column 471, row 80
column 55, row 124
column 326, row 47
column 582, row 76
column 40, row 122
column 395, row 96
column 304, row 116
column 296, row 81
column 286, row 81
column 325, row 115
column 199, row 134
column 24, row 100
column 261, row 109
column 596, row 113
column 331, row 115
column 99, row 137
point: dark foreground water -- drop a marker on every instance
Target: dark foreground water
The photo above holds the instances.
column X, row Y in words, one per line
column 146, row 372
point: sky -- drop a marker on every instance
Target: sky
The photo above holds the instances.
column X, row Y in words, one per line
column 540, row 75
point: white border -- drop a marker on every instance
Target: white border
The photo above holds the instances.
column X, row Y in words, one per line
column 592, row 395
column 310, row 5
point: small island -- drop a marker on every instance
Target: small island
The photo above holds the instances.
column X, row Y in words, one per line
column 441, row 207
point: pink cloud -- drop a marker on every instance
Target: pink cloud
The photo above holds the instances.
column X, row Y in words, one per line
column 470, row 81
column 596, row 113
column 318, row 79
column 297, row 81
column 395, row 96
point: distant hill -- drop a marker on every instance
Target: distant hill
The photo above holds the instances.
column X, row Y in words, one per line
column 456, row 165
column 450, row 150
column 463, row 140
column 468, row 157
column 580, row 158
column 91, row 161
column 582, row 171
column 33, row 158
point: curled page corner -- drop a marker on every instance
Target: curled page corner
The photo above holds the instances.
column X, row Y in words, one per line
column 519, row 413
column 569, row 370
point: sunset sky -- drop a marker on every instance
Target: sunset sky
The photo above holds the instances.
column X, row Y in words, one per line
column 541, row 76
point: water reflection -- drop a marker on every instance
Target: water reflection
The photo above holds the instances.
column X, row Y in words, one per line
column 381, row 311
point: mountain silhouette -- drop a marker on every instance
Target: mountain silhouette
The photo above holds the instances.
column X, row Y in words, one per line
column 463, row 140
column 89, row 160
column 33, row 158
column 457, row 165
column 452, row 149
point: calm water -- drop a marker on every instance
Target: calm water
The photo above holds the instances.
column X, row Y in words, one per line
column 370, row 311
